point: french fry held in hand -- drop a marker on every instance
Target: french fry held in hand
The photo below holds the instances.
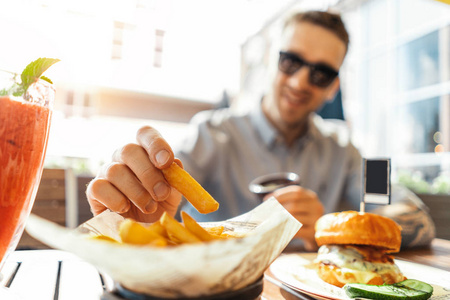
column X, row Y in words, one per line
column 190, row 188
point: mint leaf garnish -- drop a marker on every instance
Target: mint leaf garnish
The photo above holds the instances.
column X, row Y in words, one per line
column 30, row 74
column 46, row 79
column 34, row 71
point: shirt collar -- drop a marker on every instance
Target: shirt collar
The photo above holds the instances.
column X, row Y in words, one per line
column 262, row 125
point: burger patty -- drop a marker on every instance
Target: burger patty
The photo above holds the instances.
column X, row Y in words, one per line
column 372, row 254
column 359, row 258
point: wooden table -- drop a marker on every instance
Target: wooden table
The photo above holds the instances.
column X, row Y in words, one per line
column 59, row 275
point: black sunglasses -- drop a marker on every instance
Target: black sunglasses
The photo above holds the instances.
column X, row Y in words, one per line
column 320, row 75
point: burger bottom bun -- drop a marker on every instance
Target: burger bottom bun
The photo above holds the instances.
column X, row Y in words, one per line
column 335, row 276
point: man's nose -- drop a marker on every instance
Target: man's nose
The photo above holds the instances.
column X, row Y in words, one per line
column 300, row 78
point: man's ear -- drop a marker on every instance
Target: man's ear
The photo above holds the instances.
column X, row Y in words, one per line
column 333, row 89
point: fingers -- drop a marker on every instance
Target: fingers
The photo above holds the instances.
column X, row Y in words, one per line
column 99, row 189
column 292, row 192
column 133, row 183
column 305, row 206
column 150, row 177
column 159, row 151
column 300, row 200
column 122, row 178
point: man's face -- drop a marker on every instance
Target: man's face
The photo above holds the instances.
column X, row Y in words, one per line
column 294, row 97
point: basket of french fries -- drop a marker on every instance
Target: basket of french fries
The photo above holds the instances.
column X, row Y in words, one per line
column 178, row 259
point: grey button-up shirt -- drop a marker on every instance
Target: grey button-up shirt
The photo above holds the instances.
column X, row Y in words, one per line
column 224, row 152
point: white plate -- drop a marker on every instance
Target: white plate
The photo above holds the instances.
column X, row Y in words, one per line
column 294, row 271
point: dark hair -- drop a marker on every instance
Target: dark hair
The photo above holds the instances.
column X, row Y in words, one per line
column 327, row 20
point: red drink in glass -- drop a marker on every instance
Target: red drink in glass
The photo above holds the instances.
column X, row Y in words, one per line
column 24, row 130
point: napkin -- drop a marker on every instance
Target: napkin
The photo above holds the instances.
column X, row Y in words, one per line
column 187, row 270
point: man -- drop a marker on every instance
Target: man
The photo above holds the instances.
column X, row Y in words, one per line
column 224, row 152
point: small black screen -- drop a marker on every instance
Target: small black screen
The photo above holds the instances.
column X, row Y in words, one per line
column 377, row 177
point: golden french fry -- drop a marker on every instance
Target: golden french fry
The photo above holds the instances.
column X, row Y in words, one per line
column 168, row 232
column 231, row 234
column 190, row 188
column 104, row 238
column 215, row 230
column 196, row 229
column 132, row 232
column 176, row 231
column 158, row 228
column 158, row 243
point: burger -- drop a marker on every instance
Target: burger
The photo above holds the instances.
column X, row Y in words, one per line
column 355, row 248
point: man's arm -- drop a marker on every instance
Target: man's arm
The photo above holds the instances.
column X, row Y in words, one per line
column 411, row 214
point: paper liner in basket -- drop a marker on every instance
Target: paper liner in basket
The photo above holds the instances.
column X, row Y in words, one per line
column 188, row 270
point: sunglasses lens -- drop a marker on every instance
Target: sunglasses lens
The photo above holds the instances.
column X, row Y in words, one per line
column 319, row 75
column 289, row 63
column 322, row 76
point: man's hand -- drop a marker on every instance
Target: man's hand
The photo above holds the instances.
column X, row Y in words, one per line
column 133, row 184
column 305, row 206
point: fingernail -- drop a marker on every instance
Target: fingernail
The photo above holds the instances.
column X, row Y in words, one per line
column 125, row 208
column 162, row 157
column 151, row 207
column 161, row 190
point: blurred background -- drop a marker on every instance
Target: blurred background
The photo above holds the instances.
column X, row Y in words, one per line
column 128, row 63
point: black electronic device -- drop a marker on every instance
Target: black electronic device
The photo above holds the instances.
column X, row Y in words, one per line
column 376, row 181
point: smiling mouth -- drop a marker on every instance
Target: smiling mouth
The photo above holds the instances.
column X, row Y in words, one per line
column 296, row 100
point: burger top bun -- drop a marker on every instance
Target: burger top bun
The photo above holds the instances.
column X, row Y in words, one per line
column 351, row 227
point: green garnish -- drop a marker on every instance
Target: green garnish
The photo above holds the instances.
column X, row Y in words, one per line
column 409, row 289
column 29, row 75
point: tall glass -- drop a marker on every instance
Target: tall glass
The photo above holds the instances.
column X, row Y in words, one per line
column 24, row 130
